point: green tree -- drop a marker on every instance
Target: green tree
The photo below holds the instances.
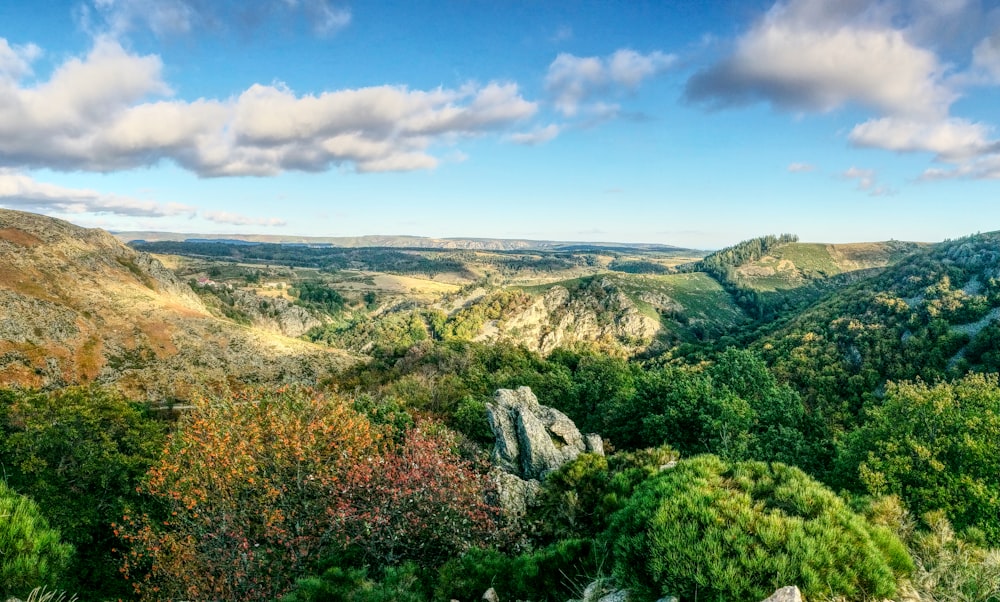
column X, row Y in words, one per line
column 935, row 446
column 80, row 453
column 31, row 553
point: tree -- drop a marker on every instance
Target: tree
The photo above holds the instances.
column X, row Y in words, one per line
column 251, row 489
column 79, row 453
column 935, row 446
column 256, row 490
column 30, row 551
column 421, row 502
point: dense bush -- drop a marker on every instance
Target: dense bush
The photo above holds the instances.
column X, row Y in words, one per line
column 30, row 551
column 250, row 487
column 397, row 584
column 256, row 490
column 719, row 531
column 80, row 453
column 552, row 573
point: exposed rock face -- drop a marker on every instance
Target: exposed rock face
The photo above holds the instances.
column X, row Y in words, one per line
column 275, row 314
column 598, row 313
column 532, row 440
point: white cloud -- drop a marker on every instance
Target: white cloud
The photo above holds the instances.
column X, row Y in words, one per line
column 326, row 18
column 980, row 168
column 536, row 136
column 236, row 219
column 879, row 55
column 796, row 60
column 20, row 191
column 162, row 17
column 950, row 139
column 15, row 61
column 111, row 110
column 986, row 59
column 801, row 167
column 573, row 80
column 867, row 181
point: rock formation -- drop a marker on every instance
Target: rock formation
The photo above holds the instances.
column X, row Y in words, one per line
column 532, row 440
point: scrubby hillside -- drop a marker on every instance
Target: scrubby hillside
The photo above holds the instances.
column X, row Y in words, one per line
column 932, row 315
column 76, row 305
column 772, row 275
column 620, row 313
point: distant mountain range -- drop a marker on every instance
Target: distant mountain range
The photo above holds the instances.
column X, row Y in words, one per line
column 411, row 242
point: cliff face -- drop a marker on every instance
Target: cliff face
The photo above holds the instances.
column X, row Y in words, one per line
column 76, row 305
column 599, row 314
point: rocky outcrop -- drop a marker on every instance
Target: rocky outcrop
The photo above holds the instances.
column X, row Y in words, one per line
column 274, row 314
column 597, row 312
column 531, row 440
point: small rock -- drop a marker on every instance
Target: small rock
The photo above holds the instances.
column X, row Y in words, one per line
column 594, row 443
column 789, row 593
column 491, row 595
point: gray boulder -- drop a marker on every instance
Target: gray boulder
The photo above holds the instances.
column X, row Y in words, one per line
column 533, row 440
column 788, row 593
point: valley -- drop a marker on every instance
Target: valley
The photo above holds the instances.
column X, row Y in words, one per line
column 773, row 374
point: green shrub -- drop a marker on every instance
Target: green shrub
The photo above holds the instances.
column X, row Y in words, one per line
column 556, row 572
column 948, row 567
column 719, row 531
column 79, row 453
column 397, row 584
column 30, row 551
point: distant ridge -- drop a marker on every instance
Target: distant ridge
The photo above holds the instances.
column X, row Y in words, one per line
column 412, row 242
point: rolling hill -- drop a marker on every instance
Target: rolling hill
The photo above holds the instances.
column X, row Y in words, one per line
column 78, row 306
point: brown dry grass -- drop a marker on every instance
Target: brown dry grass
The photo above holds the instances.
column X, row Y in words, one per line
column 19, row 237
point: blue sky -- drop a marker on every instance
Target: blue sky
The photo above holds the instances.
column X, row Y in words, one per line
column 688, row 122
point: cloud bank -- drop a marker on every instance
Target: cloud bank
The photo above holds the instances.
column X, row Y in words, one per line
column 112, row 110
column 20, row 191
column 884, row 57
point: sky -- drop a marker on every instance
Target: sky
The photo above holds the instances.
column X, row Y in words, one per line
column 690, row 123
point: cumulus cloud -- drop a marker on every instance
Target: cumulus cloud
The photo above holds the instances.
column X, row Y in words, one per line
column 15, row 61
column 112, row 110
column 801, row 167
column 573, row 80
column 878, row 55
column 986, row 60
column 236, row 219
column 536, row 136
column 950, row 139
column 802, row 58
column 19, row 191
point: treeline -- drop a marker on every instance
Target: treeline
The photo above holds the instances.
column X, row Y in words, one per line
column 325, row 258
column 722, row 266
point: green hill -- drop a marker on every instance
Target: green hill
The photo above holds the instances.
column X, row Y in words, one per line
column 932, row 315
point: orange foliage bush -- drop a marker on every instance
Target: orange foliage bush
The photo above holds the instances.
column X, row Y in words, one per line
column 253, row 490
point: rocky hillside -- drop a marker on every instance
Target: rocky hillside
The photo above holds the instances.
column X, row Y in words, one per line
column 77, row 306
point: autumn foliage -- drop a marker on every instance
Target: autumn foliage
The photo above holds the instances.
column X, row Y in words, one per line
column 255, row 489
